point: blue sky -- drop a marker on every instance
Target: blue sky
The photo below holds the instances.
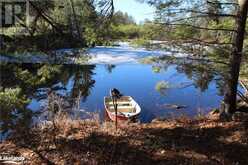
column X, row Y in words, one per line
column 140, row 11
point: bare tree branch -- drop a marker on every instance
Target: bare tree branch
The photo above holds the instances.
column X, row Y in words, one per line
column 198, row 27
column 223, row 3
column 179, row 11
column 46, row 18
column 189, row 18
column 199, row 41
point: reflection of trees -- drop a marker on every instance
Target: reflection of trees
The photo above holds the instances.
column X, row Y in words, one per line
column 14, row 114
column 220, row 84
column 110, row 67
column 156, row 69
column 82, row 82
column 36, row 81
column 18, row 84
column 162, row 87
column 28, row 77
column 200, row 72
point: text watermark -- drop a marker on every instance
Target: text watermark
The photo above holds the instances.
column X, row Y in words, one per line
column 11, row 159
column 15, row 12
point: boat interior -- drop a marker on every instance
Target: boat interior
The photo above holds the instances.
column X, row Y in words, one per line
column 124, row 105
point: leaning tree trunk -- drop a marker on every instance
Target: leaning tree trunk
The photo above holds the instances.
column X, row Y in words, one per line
column 229, row 106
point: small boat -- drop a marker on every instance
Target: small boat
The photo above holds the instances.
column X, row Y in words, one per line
column 127, row 108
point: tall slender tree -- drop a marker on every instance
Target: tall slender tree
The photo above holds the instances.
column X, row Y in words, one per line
column 187, row 16
column 236, row 57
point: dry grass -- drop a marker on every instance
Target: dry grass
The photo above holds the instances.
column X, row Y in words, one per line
column 63, row 140
column 174, row 141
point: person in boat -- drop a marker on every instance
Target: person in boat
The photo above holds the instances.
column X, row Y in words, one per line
column 115, row 93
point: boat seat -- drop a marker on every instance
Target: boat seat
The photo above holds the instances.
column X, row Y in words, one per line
column 119, row 107
column 123, row 109
column 120, row 102
column 122, row 99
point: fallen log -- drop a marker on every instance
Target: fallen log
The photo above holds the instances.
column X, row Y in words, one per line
column 172, row 106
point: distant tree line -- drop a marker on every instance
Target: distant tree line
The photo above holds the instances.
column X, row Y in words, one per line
column 60, row 23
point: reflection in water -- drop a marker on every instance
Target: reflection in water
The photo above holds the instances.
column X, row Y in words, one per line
column 22, row 83
column 25, row 88
column 162, row 86
column 14, row 114
column 202, row 73
column 110, row 67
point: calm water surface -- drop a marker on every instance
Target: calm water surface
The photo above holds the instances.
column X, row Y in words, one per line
column 191, row 84
column 91, row 83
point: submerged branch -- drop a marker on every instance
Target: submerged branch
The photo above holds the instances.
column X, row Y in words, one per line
column 244, row 86
column 242, row 96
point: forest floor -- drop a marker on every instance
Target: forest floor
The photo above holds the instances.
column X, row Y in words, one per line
column 204, row 140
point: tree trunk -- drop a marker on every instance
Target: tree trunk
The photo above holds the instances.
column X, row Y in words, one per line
column 75, row 20
column 229, row 106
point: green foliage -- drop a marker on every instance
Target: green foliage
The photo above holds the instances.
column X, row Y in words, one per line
column 140, row 42
column 22, row 82
column 156, row 69
column 129, row 31
column 153, row 31
column 183, row 32
column 12, row 104
column 47, row 72
column 90, row 36
column 162, row 86
column 140, row 33
column 19, row 83
column 147, row 60
column 123, row 27
column 244, row 69
column 223, row 36
column 27, row 77
column 69, row 23
column 120, row 18
column 188, row 25
column 12, row 99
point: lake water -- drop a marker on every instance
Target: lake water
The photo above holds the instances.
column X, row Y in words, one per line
column 156, row 87
column 140, row 82
column 123, row 54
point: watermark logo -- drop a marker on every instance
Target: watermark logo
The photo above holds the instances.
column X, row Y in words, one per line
column 11, row 159
column 14, row 12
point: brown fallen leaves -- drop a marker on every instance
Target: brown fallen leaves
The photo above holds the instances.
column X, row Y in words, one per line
column 177, row 141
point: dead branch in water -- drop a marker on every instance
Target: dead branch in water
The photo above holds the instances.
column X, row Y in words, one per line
column 243, row 97
column 242, row 83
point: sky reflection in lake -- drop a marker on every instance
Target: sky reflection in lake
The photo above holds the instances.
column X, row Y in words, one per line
column 140, row 82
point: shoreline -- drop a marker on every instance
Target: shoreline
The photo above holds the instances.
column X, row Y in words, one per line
column 175, row 141
column 122, row 53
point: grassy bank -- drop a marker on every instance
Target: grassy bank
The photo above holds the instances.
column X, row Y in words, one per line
column 203, row 140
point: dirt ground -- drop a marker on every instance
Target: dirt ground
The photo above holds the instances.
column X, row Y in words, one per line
column 175, row 141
